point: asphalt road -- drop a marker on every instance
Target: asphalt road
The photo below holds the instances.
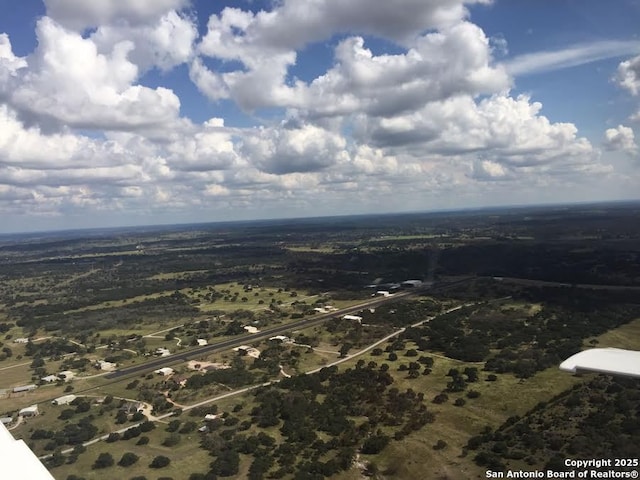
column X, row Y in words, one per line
column 198, row 352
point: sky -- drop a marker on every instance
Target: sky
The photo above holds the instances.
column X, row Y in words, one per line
column 138, row 112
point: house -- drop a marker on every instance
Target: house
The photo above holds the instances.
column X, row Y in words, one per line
column 106, row 366
column 67, row 375
column 50, row 379
column 6, row 420
column 211, row 416
column 203, row 429
column 180, row 380
column 64, row 400
column 355, row 318
column 249, row 351
column 163, row 352
column 166, row 371
column 132, row 407
column 282, row 338
column 24, row 388
column 31, row 411
column 21, row 340
column 383, row 293
column 251, row 329
column 202, row 342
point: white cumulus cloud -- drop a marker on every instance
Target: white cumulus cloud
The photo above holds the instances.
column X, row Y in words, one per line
column 620, row 138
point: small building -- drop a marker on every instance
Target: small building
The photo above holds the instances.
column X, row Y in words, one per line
column 64, row 400
column 132, row 407
column 202, row 342
column 67, row 375
column 50, row 379
column 6, row 420
column 411, row 283
column 355, row 318
column 24, row 388
column 163, row 352
column 180, row 380
column 249, row 351
column 211, row 416
column 166, row 371
column 251, row 329
column 21, row 340
column 383, row 293
column 203, row 429
column 282, row 338
column 106, row 366
column 31, row 411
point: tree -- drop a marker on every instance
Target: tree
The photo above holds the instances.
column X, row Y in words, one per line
column 227, row 464
column 173, row 426
column 128, row 459
column 160, row 462
column 104, row 460
column 473, row 394
column 440, row 444
column 147, row 426
column 172, row 440
column 344, row 349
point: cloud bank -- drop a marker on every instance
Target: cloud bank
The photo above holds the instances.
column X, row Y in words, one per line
column 432, row 122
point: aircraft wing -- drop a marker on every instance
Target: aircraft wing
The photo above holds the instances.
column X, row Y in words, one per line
column 17, row 460
column 612, row 361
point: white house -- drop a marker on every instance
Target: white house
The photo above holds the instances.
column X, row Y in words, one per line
column 355, row 318
column 64, row 400
column 202, row 342
column 21, row 340
column 282, row 338
column 251, row 329
column 67, row 375
column 163, row 352
column 31, row 411
column 166, row 371
column 107, row 366
column 50, row 379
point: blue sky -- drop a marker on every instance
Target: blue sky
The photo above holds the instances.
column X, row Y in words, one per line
column 162, row 111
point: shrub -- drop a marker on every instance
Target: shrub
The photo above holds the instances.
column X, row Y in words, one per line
column 473, row 394
column 128, row 459
column 104, row 460
column 160, row 462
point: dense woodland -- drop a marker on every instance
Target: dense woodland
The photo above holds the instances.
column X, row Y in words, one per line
column 597, row 419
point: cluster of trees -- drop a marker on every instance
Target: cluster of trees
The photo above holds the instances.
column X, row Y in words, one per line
column 316, row 417
column 70, row 434
column 596, row 419
column 524, row 344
